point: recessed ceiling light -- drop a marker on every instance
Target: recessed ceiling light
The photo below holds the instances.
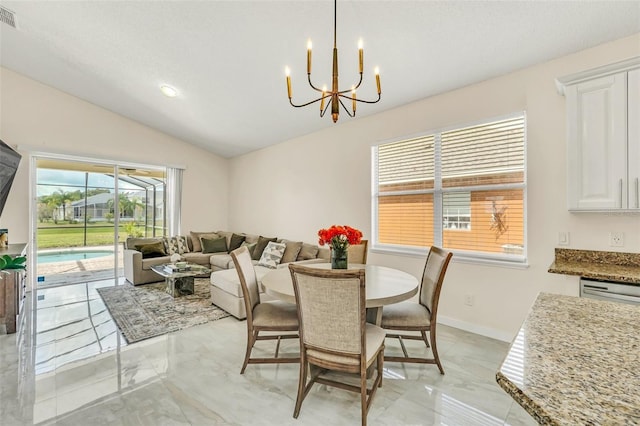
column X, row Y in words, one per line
column 169, row 91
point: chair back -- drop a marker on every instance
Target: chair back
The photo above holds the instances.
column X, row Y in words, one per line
column 331, row 308
column 248, row 280
column 358, row 253
column 432, row 278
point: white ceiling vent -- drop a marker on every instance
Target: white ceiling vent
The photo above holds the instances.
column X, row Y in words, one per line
column 7, row 16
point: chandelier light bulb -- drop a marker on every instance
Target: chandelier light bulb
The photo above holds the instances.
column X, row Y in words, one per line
column 287, row 71
column 360, row 44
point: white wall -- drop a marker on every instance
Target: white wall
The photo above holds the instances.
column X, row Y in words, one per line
column 44, row 119
column 299, row 186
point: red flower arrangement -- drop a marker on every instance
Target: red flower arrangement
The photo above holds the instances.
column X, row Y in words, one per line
column 339, row 237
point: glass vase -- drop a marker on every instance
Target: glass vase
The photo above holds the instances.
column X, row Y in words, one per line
column 338, row 258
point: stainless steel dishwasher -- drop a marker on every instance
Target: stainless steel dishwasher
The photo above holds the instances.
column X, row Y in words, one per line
column 610, row 291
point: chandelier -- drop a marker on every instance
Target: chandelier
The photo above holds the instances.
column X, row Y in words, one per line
column 335, row 95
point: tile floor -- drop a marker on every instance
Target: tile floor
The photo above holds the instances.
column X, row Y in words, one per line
column 70, row 366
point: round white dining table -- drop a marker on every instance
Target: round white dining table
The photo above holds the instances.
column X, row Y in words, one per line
column 383, row 286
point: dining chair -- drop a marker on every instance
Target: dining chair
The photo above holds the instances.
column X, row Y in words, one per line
column 334, row 334
column 275, row 317
column 422, row 316
column 357, row 253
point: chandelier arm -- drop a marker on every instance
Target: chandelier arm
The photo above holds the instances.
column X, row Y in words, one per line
column 360, row 100
column 304, row 105
column 325, row 109
column 311, row 84
column 345, row 108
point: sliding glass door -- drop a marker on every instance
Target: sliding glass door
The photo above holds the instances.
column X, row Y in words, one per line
column 85, row 210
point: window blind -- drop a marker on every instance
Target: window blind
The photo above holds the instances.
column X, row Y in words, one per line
column 460, row 189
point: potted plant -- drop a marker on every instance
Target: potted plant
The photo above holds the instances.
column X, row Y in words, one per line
column 7, row 262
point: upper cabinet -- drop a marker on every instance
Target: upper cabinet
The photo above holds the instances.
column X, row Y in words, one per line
column 603, row 137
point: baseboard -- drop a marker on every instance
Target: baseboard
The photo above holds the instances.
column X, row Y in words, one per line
column 477, row 329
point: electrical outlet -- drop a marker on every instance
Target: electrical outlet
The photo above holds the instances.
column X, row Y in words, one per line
column 468, row 299
column 616, row 239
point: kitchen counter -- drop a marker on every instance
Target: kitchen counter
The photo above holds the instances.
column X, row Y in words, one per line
column 576, row 361
column 598, row 265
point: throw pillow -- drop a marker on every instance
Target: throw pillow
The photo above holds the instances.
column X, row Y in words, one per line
column 291, row 252
column 260, row 246
column 236, row 241
column 250, row 247
column 214, row 245
column 151, row 250
column 272, row 255
column 308, row 251
column 195, row 239
column 177, row 244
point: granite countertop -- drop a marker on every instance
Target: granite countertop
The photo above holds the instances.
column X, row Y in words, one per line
column 576, row 361
column 598, row 265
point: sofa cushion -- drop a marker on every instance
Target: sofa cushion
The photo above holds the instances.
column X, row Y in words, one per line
column 227, row 235
column 229, row 281
column 148, row 263
column 151, row 250
column 260, row 246
column 236, row 242
column 198, row 257
column 251, row 238
column 195, row 239
column 272, row 255
column 222, row 260
column 214, row 245
column 308, row 251
column 291, row 251
column 176, row 245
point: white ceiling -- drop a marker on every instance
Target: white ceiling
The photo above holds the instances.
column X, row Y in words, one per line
column 227, row 58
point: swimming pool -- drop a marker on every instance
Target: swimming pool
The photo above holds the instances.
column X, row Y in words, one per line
column 71, row 255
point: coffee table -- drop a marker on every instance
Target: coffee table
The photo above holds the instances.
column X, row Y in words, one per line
column 180, row 283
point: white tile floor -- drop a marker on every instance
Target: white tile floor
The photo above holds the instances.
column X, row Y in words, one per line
column 78, row 371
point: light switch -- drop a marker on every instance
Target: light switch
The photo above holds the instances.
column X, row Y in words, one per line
column 563, row 238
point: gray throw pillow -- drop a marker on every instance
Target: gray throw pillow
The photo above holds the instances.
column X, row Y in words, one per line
column 260, row 246
column 214, row 245
column 308, row 251
column 272, row 255
column 236, row 242
column 151, row 250
column 291, row 251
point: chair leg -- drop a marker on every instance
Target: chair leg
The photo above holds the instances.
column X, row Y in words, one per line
column 363, row 397
column 434, row 348
column 251, row 340
column 380, row 365
column 301, row 387
column 424, row 337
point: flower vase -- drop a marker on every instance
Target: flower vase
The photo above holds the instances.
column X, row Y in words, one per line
column 338, row 258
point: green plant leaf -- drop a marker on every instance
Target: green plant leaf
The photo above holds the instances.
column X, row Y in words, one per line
column 3, row 263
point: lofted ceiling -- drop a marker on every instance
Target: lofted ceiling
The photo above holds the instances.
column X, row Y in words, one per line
column 227, row 58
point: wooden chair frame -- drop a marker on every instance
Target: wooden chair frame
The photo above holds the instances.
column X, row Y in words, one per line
column 317, row 366
column 253, row 331
column 422, row 329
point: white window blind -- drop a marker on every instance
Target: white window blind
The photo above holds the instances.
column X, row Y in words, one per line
column 461, row 189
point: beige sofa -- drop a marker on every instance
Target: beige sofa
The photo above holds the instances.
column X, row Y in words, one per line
column 137, row 268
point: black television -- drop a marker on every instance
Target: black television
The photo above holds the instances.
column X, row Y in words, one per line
column 9, row 160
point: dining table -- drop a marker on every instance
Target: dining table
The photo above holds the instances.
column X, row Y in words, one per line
column 383, row 286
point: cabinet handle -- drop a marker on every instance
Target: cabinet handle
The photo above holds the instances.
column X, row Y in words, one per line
column 620, row 193
column 637, row 194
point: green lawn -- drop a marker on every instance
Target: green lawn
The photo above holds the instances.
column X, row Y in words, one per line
column 72, row 236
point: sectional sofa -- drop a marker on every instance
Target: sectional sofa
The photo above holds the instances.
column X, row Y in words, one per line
column 140, row 254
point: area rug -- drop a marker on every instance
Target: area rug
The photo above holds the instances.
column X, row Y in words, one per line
column 146, row 311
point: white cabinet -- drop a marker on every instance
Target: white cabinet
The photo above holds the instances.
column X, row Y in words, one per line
column 603, row 137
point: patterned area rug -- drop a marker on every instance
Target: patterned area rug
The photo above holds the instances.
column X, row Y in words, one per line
column 145, row 311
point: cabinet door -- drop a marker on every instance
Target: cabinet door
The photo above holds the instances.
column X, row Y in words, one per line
column 633, row 116
column 597, row 143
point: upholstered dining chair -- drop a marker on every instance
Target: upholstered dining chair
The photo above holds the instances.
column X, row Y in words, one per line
column 357, row 253
column 419, row 317
column 275, row 317
column 334, row 334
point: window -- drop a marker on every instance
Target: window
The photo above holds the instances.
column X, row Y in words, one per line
column 462, row 189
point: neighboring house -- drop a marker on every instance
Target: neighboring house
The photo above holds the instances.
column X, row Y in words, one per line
column 98, row 207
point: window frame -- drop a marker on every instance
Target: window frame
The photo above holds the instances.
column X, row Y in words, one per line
column 465, row 256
